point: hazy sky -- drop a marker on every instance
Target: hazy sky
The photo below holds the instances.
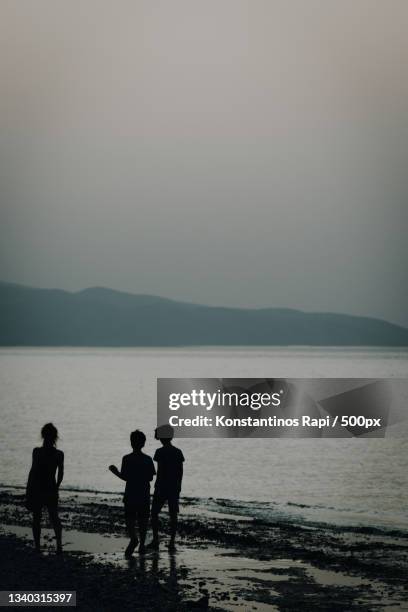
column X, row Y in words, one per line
column 226, row 152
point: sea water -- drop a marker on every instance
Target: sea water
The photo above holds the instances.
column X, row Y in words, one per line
column 97, row 396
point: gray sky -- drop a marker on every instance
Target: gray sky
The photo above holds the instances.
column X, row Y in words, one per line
column 244, row 153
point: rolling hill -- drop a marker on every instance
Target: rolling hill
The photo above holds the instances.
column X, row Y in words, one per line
column 103, row 317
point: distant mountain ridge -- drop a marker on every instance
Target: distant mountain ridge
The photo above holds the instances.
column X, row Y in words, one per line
column 104, row 317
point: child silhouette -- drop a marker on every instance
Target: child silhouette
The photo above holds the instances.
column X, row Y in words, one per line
column 168, row 483
column 42, row 486
column 137, row 471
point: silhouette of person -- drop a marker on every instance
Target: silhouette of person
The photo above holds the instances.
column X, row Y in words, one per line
column 42, row 485
column 168, row 484
column 137, row 471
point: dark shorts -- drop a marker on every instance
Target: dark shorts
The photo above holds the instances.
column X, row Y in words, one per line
column 38, row 500
column 161, row 497
column 136, row 510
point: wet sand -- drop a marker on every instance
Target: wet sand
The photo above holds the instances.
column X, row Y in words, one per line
column 224, row 560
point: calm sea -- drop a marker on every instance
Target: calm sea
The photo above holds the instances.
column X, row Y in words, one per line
column 96, row 396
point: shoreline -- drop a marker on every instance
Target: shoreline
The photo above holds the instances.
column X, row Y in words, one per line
column 269, row 512
column 238, row 562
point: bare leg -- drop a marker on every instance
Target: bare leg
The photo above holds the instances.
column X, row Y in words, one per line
column 56, row 523
column 130, row 528
column 173, row 529
column 143, row 521
column 155, row 527
column 37, row 529
column 157, row 505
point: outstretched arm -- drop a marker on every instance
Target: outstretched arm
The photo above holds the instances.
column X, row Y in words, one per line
column 120, row 474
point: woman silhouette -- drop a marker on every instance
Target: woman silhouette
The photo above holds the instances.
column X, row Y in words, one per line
column 42, row 486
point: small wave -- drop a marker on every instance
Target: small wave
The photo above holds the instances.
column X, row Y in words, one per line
column 68, row 489
column 301, row 514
